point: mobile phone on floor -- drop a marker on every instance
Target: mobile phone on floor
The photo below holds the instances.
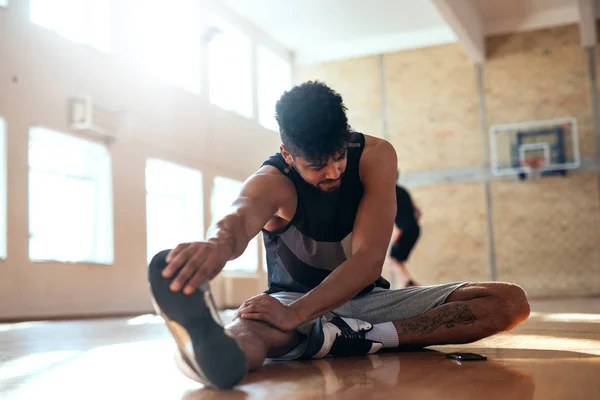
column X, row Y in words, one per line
column 466, row 356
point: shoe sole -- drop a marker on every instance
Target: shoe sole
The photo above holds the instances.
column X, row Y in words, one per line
column 198, row 332
column 187, row 369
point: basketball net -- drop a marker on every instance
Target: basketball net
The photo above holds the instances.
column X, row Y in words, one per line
column 533, row 166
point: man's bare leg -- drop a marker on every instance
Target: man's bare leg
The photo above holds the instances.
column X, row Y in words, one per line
column 470, row 313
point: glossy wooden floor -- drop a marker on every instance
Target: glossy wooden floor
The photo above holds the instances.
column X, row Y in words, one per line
column 554, row 355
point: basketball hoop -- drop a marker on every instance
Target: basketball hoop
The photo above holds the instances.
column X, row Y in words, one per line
column 516, row 148
column 533, row 166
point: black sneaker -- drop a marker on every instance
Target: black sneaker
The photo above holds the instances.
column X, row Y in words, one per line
column 206, row 347
column 340, row 337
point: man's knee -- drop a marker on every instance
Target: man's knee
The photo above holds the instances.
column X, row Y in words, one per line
column 509, row 306
column 513, row 306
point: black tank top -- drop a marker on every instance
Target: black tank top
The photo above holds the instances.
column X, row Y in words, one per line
column 319, row 237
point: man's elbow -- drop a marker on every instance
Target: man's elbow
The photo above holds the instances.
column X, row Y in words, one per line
column 376, row 268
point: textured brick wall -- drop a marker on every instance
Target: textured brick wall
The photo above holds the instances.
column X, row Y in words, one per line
column 547, row 234
column 432, row 108
column 547, row 231
column 454, row 243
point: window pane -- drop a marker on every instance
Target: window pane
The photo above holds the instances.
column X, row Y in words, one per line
column 225, row 191
column 168, row 179
column 70, row 199
column 61, row 208
column 2, row 189
column 3, row 3
column 230, row 70
column 174, row 211
column 167, row 39
column 82, row 21
column 274, row 78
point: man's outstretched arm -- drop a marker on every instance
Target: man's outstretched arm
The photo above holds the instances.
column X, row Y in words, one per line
column 261, row 197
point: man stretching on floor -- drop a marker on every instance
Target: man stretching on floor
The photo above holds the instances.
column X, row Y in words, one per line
column 326, row 206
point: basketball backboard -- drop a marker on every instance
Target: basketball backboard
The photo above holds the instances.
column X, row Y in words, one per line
column 551, row 144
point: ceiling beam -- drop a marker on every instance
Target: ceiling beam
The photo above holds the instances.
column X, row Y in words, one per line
column 466, row 24
column 587, row 22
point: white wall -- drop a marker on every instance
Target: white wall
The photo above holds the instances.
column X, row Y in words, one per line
column 39, row 71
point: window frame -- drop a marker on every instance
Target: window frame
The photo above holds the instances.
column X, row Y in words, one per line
column 187, row 199
column 93, row 26
column 261, row 76
column 255, row 241
column 147, row 50
column 229, row 30
column 3, row 190
column 103, row 198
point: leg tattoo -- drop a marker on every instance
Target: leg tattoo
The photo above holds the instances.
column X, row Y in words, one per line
column 448, row 316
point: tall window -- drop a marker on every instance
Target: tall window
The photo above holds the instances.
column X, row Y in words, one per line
column 82, row 21
column 230, row 69
column 167, row 39
column 174, row 211
column 2, row 189
column 70, row 199
column 274, row 78
column 225, row 191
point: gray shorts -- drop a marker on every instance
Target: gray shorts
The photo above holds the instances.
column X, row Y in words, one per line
column 379, row 305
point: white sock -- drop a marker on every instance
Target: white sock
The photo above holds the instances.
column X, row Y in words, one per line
column 385, row 334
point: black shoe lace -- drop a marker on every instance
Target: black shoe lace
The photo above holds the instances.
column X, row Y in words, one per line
column 350, row 334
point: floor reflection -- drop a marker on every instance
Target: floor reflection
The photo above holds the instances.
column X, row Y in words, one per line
column 554, row 355
column 419, row 375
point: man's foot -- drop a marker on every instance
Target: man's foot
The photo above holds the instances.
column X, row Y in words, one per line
column 206, row 347
column 340, row 337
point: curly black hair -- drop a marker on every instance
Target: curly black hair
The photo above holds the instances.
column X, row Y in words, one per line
column 312, row 121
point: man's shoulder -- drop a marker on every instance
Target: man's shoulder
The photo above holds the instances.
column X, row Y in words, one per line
column 269, row 170
column 273, row 186
column 271, row 181
column 270, row 173
column 378, row 153
column 378, row 146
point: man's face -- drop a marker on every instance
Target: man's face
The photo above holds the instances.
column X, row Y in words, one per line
column 325, row 176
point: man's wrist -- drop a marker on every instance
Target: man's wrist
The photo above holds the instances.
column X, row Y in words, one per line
column 299, row 312
column 225, row 246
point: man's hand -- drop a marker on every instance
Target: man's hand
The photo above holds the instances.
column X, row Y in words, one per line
column 268, row 309
column 194, row 264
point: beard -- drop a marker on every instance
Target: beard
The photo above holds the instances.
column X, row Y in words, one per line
column 325, row 186
column 330, row 185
